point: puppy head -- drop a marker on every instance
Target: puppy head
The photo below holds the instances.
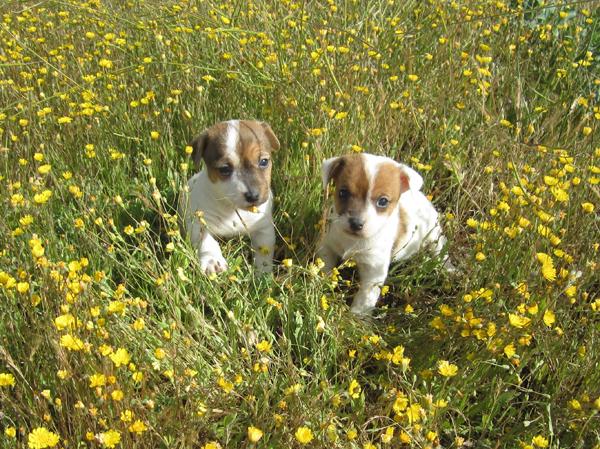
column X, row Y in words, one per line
column 367, row 190
column 237, row 155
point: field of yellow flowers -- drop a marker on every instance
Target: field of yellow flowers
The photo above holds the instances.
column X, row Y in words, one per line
column 111, row 338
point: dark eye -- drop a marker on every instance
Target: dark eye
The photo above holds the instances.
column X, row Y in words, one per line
column 344, row 194
column 225, row 170
column 383, row 202
column 264, row 163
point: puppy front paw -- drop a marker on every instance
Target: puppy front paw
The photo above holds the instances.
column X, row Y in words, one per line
column 364, row 301
column 263, row 266
column 361, row 309
column 212, row 264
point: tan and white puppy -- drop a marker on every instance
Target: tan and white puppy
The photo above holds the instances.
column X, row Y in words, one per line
column 231, row 195
column 379, row 215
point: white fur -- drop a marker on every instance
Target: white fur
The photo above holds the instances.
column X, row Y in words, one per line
column 372, row 251
column 222, row 208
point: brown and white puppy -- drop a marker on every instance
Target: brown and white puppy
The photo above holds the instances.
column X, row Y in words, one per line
column 231, row 195
column 379, row 215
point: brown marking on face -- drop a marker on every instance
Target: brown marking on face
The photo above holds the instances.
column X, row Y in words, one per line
column 402, row 229
column 256, row 141
column 210, row 146
column 388, row 184
column 349, row 175
column 255, row 144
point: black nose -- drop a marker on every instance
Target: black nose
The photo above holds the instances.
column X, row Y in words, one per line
column 356, row 224
column 251, row 197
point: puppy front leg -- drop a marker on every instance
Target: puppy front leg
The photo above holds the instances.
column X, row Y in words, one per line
column 329, row 258
column 372, row 276
column 263, row 245
column 209, row 252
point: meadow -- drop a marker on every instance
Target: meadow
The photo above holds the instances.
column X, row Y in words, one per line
column 110, row 337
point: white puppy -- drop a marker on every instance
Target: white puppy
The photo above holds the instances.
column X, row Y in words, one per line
column 232, row 193
column 379, row 215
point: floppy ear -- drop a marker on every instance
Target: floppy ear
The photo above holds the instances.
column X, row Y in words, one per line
column 273, row 141
column 409, row 179
column 199, row 145
column 330, row 168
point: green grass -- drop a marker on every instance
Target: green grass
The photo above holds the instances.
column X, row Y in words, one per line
column 501, row 120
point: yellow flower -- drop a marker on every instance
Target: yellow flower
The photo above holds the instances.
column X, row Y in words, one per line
column 354, row 389
column 548, row 270
column 10, row 432
column 23, row 287
column 400, row 403
column 404, row 437
column 117, row 395
column 388, row 435
column 41, row 438
column 264, row 346
column 120, row 357
column 480, row 256
column 97, row 380
column 110, row 438
column 71, row 343
column 518, row 321
column 63, row 321
column 254, row 434
column 539, row 441
column 225, row 385
column 351, row 434
column 286, row 263
column 303, row 435
column 62, row 120
column 447, row 369
column 7, row 380
column 41, row 198
column 549, row 318
column 138, row 427
column 587, row 207
column 212, row 445
column 510, row 351
column 126, row 415
column 138, row 324
column 44, row 169
column 154, row 135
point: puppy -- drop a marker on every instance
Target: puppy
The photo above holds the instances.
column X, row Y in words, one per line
column 379, row 215
column 231, row 195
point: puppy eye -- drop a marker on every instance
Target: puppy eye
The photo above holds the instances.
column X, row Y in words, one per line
column 225, row 170
column 344, row 194
column 383, row 202
column 264, row 163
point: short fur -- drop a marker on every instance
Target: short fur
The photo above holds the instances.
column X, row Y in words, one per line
column 379, row 215
column 231, row 195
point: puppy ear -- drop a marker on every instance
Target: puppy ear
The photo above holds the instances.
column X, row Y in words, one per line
column 199, row 145
column 273, row 141
column 410, row 179
column 330, row 169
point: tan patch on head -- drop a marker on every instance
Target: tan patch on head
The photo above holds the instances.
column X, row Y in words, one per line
column 349, row 173
column 255, row 141
column 390, row 184
column 254, row 145
column 211, row 147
